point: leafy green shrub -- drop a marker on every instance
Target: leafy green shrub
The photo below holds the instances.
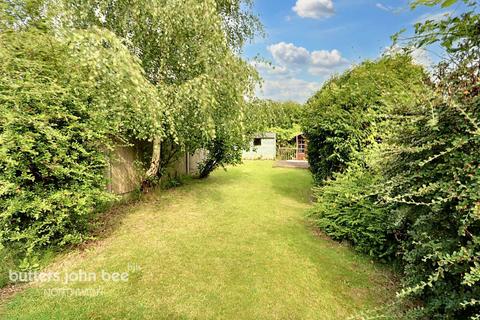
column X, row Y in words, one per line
column 346, row 122
column 269, row 114
column 50, row 156
column 60, row 111
column 343, row 117
column 347, row 208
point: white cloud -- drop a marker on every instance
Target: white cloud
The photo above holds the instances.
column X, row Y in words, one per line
column 315, row 9
column 419, row 56
column 269, row 69
column 288, row 53
column 324, row 62
column 422, row 57
column 383, row 7
column 319, row 71
column 325, row 58
column 285, row 78
column 286, row 89
column 391, row 9
column 289, row 56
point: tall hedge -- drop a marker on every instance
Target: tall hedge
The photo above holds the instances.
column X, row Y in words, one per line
column 422, row 186
column 60, row 111
column 346, row 123
column 345, row 115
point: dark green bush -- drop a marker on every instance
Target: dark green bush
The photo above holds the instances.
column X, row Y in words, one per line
column 348, row 209
column 345, row 122
column 343, row 117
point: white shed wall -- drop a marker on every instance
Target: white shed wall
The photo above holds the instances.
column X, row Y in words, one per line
column 266, row 151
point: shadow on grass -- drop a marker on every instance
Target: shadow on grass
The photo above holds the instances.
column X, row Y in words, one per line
column 294, row 184
column 102, row 225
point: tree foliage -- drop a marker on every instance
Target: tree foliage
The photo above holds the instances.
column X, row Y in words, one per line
column 282, row 118
column 191, row 58
column 78, row 77
column 345, row 116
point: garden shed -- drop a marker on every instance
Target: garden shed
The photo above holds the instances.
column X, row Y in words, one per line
column 262, row 147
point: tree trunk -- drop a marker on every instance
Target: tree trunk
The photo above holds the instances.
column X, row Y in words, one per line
column 207, row 168
column 155, row 164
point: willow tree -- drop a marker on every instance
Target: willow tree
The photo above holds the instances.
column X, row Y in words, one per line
column 186, row 50
column 181, row 46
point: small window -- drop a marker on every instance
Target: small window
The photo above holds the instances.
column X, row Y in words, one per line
column 257, row 142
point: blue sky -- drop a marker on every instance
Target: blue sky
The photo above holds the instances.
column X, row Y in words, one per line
column 308, row 40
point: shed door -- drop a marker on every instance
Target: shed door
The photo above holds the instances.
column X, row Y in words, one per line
column 301, row 148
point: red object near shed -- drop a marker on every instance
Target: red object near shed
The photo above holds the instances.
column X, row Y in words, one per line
column 301, row 144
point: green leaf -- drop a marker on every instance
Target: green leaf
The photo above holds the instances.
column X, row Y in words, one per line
column 448, row 3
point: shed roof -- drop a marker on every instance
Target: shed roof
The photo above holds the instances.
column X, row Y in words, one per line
column 266, row 135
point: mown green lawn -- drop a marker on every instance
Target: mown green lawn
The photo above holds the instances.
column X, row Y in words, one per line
column 234, row 246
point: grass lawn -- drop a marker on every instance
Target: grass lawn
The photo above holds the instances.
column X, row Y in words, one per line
column 234, row 246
